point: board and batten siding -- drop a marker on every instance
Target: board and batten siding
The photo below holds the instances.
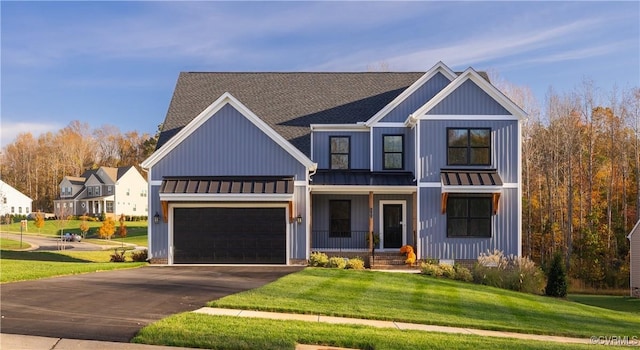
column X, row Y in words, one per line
column 159, row 245
column 432, row 232
column 409, row 147
column 418, row 98
column 228, row 144
column 634, row 261
column 468, row 99
column 359, row 153
column 433, row 147
column 298, row 232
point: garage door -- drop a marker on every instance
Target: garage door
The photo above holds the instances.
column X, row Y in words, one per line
column 229, row 235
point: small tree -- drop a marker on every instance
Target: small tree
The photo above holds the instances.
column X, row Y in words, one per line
column 39, row 221
column 122, row 230
column 84, row 225
column 557, row 279
column 107, row 229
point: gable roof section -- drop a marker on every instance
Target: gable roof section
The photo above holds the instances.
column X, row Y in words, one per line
column 437, row 68
column 212, row 109
column 288, row 102
column 635, row 230
column 482, row 83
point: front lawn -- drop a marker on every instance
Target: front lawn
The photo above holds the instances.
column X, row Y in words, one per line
column 611, row 302
column 30, row 265
column 11, row 244
column 420, row 299
column 225, row 332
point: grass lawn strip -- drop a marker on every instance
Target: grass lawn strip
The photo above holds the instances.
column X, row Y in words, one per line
column 414, row 298
column 11, row 244
column 626, row 303
column 229, row 332
column 22, row 266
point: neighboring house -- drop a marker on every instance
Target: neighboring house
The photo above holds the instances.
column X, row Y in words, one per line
column 12, row 201
column 113, row 191
column 268, row 167
column 634, row 260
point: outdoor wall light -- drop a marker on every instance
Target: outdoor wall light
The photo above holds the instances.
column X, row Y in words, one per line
column 156, row 218
column 299, row 219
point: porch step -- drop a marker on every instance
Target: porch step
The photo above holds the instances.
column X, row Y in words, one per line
column 391, row 261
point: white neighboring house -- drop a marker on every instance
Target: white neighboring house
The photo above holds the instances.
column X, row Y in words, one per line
column 13, row 201
column 634, row 260
column 114, row 191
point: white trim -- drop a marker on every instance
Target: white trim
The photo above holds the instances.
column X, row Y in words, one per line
column 519, row 188
column 483, row 84
column 225, row 197
column 155, row 182
column 300, row 183
column 210, row 111
column 371, row 151
column 381, row 204
column 172, row 206
column 430, row 184
column 471, row 189
column 474, row 117
column 390, row 125
column 437, row 68
column 339, row 127
column 307, row 221
column 356, row 189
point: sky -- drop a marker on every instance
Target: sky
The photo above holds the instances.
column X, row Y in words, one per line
column 116, row 63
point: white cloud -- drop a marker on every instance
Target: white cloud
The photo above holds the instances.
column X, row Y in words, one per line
column 10, row 130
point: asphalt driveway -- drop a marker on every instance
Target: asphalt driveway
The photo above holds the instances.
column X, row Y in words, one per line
column 114, row 305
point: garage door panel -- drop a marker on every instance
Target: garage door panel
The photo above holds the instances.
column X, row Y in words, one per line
column 230, row 235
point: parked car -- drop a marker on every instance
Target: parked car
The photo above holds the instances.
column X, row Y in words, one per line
column 71, row 237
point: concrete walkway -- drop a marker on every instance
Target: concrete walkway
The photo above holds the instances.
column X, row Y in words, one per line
column 388, row 324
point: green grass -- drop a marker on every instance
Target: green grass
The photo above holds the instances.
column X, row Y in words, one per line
column 21, row 266
column 224, row 332
column 10, row 244
column 420, row 299
column 136, row 230
column 611, row 302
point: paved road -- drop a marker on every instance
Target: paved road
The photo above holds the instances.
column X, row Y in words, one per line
column 114, row 305
column 53, row 243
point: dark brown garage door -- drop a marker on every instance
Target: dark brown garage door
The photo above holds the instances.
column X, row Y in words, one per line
column 229, row 236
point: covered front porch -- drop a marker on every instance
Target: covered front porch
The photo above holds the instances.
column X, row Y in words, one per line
column 345, row 215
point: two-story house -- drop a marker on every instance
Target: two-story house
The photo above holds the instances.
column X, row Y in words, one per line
column 112, row 191
column 12, row 201
column 268, row 167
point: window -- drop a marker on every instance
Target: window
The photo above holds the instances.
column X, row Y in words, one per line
column 96, row 190
column 20, row 210
column 468, row 146
column 393, row 148
column 340, row 147
column 109, row 189
column 469, row 215
column 90, row 191
column 340, row 217
column 4, row 200
column 13, row 210
column 109, row 206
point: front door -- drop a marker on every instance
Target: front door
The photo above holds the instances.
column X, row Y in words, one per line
column 392, row 226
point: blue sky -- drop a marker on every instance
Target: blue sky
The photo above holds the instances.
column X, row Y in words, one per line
column 116, row 63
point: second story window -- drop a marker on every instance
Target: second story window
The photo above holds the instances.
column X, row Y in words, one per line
column 468, row 146
column 393, row 152
column 340, row 147
column 96, row 190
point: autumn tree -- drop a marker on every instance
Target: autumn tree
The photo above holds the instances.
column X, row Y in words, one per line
column 122, row 229
column 84, row 225
column 107, row 229
column 39, row 220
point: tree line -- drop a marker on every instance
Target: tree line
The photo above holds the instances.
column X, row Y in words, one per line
column 35, row 166
column 580, row 173
column 581, row 179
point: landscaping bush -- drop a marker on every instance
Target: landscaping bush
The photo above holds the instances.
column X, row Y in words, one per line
column 318, row 259
column 139, row 255
column 337, row 262
column 557, row 281
column 355, row 264
column 508, row 272
column 447, row 270
column 118, row 255
column 462, row 273
column 430, row 269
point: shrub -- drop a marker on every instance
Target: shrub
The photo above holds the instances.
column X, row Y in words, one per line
column 355, row 264
column 447, row 270
column 557, row 281
column 318, row 259
column 139, row 255
column 508, row 272
column 337, row 262
column 118, row 255
column 462, row 273
column 430, row 269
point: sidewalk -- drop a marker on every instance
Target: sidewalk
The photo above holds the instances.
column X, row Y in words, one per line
column 388, row 324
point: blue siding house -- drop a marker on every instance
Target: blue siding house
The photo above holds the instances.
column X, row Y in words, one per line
column 264, row 168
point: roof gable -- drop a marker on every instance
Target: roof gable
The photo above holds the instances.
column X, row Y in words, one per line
column 479, row 82
column 197, row 122
column 438, row 68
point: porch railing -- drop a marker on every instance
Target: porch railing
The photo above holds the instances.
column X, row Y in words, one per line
column 352, row 240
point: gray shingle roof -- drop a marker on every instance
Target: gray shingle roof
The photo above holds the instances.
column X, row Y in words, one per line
column 288, row 102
